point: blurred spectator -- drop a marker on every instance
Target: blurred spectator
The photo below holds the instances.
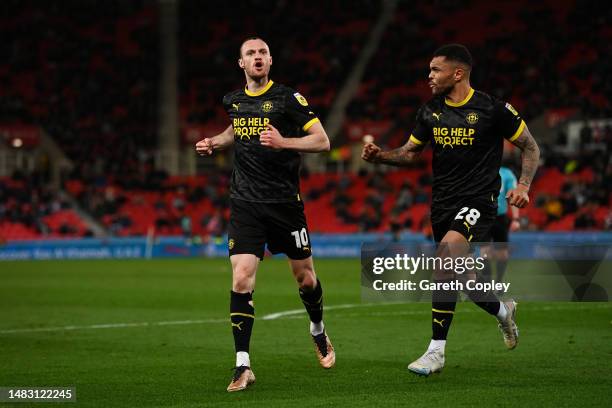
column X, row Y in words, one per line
column 405, row 197
column 608, row 221
column 553, row 208
column 568, row 199
column 368, row 219
column 186, row 226
column 216, row 224
column 585, row 218
column 420, row 196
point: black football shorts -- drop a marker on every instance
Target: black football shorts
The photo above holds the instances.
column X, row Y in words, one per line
column 472, row 218
column 282, row 226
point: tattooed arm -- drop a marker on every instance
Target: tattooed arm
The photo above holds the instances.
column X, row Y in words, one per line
column 530, row 159
column 401, row 156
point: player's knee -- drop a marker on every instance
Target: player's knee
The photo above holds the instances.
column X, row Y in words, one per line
column 309, row 282
column 306, row 278
column 242, row 285
column 502, row 255
column 242, row 279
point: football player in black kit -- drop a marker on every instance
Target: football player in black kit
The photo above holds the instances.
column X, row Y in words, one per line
column 466, row 129
column 271, row 124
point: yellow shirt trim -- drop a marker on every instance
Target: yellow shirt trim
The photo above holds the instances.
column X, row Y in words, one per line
column 518, row 132
column 415, row 140
column 261, row 91
column 463, row 102
column 309, row 124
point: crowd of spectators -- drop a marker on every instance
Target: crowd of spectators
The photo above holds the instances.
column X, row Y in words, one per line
column 87, row 72
column 539, row 56
column 584, row 179
column 313, row 47
column 157, row 204
column 91, row 80
column 28, row 204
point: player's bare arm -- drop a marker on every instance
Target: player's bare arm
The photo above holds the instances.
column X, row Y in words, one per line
column 530, row 158
column 401, row 156
column 208, row 145
column 315, row 141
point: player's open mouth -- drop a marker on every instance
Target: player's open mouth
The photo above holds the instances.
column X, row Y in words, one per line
column 259, row 65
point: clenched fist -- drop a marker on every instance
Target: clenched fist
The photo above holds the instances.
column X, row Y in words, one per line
column 369, row 152
column 271, row 138
column 205, row 147
column 518, row 196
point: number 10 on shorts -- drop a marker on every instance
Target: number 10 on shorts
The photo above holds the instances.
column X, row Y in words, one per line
column 471, row 217
column 301, row 237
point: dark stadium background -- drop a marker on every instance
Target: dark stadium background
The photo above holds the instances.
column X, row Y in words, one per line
column 101, row 103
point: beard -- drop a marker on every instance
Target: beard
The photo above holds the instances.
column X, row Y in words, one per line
column 443, row 91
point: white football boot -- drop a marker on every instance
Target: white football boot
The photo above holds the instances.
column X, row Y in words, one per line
column 508, row 326
column 430, row 362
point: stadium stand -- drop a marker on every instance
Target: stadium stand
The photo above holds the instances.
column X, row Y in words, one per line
column 89, row 79
column 91, row 82
column 346, row 203
column 30, row 209
column 537, row 70
column 314, row 58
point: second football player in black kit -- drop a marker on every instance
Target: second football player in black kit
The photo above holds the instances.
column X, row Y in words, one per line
column 466, row 129
column 271, row 124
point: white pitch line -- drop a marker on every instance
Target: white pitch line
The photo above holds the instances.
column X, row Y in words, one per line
column 274, row 316
column 287, row 314
column 111, row 326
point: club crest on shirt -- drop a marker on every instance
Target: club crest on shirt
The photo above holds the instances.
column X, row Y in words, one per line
column 300, row 99
column 267, row 106
column 231, row 243
column 471, row 118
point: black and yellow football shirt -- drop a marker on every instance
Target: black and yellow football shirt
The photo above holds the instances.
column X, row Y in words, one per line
column 260, row 173
column 467, row 141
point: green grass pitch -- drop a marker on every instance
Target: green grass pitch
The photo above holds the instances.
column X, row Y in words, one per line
column 156, row 334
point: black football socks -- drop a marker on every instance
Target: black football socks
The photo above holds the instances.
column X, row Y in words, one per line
column 242, row 316
column 313, row 302
column 487, row 301
column 443, row 305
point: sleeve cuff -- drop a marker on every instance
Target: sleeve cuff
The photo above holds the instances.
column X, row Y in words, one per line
column 309, row 124
column 518, row 131
column 415, row 140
